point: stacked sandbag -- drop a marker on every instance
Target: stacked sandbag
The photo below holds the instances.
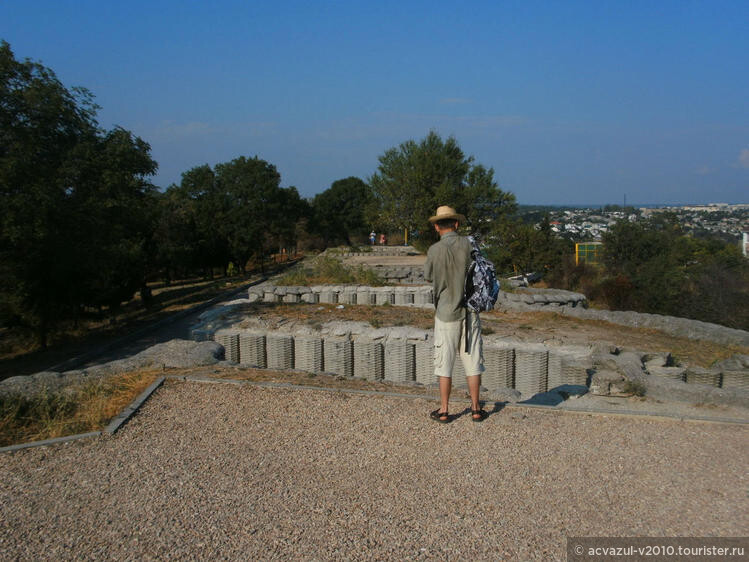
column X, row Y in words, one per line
column 252, row 349
column 499, row 363
column 308, row 353
column 369, row 358
column 279, row 349
column 338, row 353
column 230, row 341
column 531, row 368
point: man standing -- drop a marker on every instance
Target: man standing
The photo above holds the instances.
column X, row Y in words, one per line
column 457, row 330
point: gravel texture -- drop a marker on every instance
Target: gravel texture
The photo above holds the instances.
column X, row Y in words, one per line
column 215, row 471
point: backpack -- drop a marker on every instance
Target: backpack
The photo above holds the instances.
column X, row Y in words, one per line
column 481, row 286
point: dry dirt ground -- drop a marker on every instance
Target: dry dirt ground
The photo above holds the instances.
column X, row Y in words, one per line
column 208, row 471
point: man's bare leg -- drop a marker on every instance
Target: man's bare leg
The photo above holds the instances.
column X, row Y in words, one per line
column 474, row 386
column 445, row 387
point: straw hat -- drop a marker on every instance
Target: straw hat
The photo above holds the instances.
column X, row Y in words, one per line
column 445, row 212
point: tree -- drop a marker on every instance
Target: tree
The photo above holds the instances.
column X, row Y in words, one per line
column 205, row 209
column 257, row 214
column 663, row 271
column 111, row 200
column 415, row 178
column 339, row 211
column 73, row 197
column 517, row 247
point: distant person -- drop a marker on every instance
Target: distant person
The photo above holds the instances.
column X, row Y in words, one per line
column 457, row 330
column 372, row 237
column 382, row 239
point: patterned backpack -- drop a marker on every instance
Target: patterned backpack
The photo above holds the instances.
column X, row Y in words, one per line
column 481, row 287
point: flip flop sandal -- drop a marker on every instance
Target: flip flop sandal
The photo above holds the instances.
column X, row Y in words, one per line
column 482, row 415
column 437, row 416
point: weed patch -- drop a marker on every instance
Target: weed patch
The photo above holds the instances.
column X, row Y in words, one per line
column 80, row 409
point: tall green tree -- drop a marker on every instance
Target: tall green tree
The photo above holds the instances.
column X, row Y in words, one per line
column 113, row 205
column 73, row 226
column 339, row 211
column 205, row 205
column 413, row 179
column 257, row 214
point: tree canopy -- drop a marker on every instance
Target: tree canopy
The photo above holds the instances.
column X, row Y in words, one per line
column 73, row 199
column 339, row 211
column 236, row 211
column 413, row 179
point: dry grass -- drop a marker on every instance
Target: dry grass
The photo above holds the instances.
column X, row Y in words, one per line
column 80, row 409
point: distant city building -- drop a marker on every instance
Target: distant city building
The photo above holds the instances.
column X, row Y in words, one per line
column 745, row 244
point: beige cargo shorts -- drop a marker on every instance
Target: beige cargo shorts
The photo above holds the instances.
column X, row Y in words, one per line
column 449, row 343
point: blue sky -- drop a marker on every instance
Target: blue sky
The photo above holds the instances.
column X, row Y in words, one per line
column 569, row 102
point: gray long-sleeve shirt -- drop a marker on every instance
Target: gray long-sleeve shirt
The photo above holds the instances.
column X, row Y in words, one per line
column 446, row 267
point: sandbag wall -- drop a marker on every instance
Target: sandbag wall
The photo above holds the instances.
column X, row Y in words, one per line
column 403, row 357
column 420, row 296
column 415, row 295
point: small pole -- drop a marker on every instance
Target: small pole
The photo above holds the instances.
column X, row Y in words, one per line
column 406, row 237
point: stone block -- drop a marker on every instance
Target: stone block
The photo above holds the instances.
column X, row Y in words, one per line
column 402, row 298
column 554, row 370
column 308, row 353
column 347, row 297
column 459, row 373
column 310, row 298
column 531, row 368
column 328, row 296
column 499, row 363
column 424, row 359
column 399, row 361
column 338, row 354
column 369, row 359
column 609, row 383
column 698, row 375
column 384, row 295
column 364, row 296
column 737, row 380
column 230, row 341
column 252, row 349
column 279, row 350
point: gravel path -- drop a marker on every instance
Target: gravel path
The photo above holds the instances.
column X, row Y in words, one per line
column 208, row 471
